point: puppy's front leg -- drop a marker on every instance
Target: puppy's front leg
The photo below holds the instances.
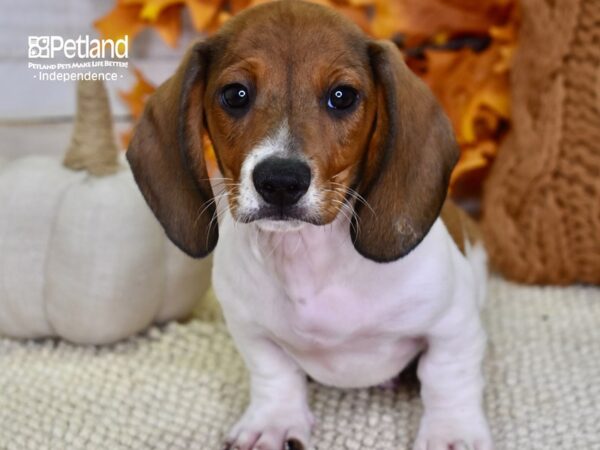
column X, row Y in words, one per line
column 278, row 417
column 452, row 389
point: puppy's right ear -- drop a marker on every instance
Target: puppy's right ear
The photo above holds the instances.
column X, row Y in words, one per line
column 167, row 158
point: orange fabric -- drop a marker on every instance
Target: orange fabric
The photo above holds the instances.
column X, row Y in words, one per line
column 542, row 199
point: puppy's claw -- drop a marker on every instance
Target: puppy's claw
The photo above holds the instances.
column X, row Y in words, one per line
column 293, row 444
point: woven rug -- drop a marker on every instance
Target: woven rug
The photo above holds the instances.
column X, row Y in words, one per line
column 182, row 385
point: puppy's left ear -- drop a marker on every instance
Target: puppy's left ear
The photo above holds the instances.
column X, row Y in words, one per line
column 409, row 161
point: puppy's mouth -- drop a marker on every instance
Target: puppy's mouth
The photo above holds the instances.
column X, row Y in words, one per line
column 280, row 219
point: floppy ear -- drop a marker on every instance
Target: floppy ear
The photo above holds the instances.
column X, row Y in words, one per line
column 409, row 161
column 167, row 159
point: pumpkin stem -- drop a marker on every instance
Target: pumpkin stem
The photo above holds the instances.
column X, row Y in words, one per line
column 93, row 146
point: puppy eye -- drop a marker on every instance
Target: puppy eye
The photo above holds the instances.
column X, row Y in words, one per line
column 342, row 97
column 235, row 96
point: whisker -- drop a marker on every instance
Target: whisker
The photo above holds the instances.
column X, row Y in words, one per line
column 355, row 195
column 349, row 219
column 215, row 179
column 340, row 242
column 217, row 217
column 207, row 205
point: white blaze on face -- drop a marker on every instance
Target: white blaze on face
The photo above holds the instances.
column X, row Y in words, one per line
column 278, row 145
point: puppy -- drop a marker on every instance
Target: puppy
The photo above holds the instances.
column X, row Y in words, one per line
column 332, row 258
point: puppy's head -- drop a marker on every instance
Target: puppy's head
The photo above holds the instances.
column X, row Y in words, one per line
column 309, row 118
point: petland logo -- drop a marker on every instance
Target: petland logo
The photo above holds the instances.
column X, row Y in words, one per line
column 46, row 47
column 54, row 58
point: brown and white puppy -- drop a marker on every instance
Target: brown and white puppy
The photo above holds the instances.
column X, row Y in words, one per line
column 332, row 258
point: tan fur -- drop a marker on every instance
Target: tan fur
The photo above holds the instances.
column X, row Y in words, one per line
column 461, row 227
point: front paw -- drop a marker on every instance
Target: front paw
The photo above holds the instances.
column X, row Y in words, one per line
column 454, row 432
column 271, row 428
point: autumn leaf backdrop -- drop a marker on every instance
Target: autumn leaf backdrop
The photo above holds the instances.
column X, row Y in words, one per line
column 461, row 48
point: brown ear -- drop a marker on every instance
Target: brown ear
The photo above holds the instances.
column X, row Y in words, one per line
column 409, row 162
column 167, row 160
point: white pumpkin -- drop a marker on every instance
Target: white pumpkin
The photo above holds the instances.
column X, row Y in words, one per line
column 81, row 256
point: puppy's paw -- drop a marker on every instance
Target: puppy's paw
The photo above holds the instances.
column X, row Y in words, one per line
column 271, row 428
column 453, row 432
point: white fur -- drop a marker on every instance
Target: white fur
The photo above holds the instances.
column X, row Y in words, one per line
column 304, row 301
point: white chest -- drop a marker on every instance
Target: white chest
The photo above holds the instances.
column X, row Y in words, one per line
column 346, row 320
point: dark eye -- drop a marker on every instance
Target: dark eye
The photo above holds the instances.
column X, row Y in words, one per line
column 342, row 97
column 235, row 96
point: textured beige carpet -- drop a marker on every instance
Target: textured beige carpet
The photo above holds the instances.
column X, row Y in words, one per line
column 181, row 386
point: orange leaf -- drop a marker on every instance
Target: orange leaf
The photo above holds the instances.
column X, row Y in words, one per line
column 152, row 9
column 472, row 168
column 465, row 83
column 122, row 21
column 362, row 3
column 135, row 99
column 422, row 19
column 203, row 13
column 385, row 19
column 137, row 96
column 470, row 160
column 129, row 17
column 235, row 6
column 168, row 24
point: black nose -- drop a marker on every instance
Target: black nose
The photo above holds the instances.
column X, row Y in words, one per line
column 281, row 181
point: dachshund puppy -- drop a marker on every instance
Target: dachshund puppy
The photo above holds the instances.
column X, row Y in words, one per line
column 338, row 255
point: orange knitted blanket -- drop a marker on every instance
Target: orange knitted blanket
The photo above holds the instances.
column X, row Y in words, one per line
column 542, row 199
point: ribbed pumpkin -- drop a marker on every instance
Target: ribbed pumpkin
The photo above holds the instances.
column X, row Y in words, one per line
column 81, row 255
